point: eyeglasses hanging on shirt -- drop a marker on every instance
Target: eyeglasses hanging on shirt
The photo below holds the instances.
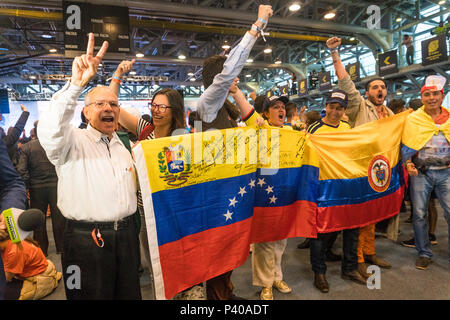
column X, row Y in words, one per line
column 106, row 141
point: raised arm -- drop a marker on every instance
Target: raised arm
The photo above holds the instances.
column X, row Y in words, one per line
column 54, row 129
column 12, row 188
column 333, row 44
column 244, row 106
column 214, row 96
column 124, row 67
column 14, row 136
column 344, row 81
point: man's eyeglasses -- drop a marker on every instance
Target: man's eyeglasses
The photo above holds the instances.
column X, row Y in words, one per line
column 102, row 104
column 161, row 107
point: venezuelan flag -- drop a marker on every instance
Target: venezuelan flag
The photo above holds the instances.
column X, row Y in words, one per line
column 208, row 195
column 286, row 190
column 419, row 129
column 361, row 179
column 198, row 207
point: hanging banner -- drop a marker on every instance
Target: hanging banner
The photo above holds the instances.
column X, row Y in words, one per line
column 108, row 23
column 325, row 81
column 387, row 63
column 302, row 88
column 354, row 71
column 434, row 50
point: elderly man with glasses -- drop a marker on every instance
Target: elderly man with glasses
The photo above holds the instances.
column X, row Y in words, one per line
column 96, row 188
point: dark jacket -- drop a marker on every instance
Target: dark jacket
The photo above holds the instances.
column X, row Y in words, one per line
column 12, row 188
column 34, row 166
column 12, row 137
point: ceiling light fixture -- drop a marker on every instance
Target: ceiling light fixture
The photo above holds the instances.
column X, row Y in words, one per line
column 139, row 55
column 268, row 50
column 249, row 60
column 53, row 50
column 278, row 61
column 294, row 7
column 225, row 45
column 329, row 15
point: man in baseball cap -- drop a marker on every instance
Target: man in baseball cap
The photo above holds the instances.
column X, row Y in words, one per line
column 336, row 104
column 320, row 248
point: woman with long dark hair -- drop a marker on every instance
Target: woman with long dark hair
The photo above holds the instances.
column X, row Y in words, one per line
column 167, row 116
column 167, row 110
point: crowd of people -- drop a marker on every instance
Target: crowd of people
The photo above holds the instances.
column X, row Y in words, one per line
column 87, row 178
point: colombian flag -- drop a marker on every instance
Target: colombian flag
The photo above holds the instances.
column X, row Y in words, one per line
column 208, row 195
column 361, row 179
column 199, row 193
column 419, row 129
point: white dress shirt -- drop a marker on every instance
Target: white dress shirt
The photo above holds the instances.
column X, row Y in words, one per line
column 96, row 177
column 215, row 95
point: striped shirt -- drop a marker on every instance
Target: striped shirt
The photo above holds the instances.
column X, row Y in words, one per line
column 320, row 126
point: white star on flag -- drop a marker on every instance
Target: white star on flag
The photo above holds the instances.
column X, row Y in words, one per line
column 261, row 182
column 252, row 183
column 228, row 215
column 273, row 199
column 242, row 191
column 232, row 202
column 269, row 189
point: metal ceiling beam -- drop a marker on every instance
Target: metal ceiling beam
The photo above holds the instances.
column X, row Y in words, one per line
column 233, row 15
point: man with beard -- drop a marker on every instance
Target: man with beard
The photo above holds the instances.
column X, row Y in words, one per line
column 361, row 111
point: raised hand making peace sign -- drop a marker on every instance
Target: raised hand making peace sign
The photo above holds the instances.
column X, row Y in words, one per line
column 84, row 68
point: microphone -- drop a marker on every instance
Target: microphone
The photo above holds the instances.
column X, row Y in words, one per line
column 31, row 219
column 20, row 223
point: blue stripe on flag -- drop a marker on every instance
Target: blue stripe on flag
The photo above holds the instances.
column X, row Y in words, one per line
column 288, row 185
column 202, row 206
column 336, row 192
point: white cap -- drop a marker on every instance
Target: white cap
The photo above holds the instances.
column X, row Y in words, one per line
column 434, row 82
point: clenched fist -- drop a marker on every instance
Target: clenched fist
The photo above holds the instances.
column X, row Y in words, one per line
column 333, row 42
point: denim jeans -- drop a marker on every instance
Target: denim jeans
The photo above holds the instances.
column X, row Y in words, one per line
column 421, row 188
column 350, row 244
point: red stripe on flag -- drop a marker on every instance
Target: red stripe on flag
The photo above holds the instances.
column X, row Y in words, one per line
column 277, row 223
column 204, row 255
column 337, row 218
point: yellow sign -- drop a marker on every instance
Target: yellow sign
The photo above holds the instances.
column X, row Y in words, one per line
column 352, row 70
column 432, row 47
column 386, row 61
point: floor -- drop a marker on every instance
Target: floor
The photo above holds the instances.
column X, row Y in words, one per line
column 402, row 282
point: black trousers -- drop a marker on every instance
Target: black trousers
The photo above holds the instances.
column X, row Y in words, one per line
column 110, row 272
column 220, row 287
column 350, row 246
column 41, row 198
column 13, row 289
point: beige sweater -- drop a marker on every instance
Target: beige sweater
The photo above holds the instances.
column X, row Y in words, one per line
column 359, row 110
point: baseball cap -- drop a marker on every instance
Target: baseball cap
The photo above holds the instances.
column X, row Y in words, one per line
column 338, row 96
column 270, row 101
